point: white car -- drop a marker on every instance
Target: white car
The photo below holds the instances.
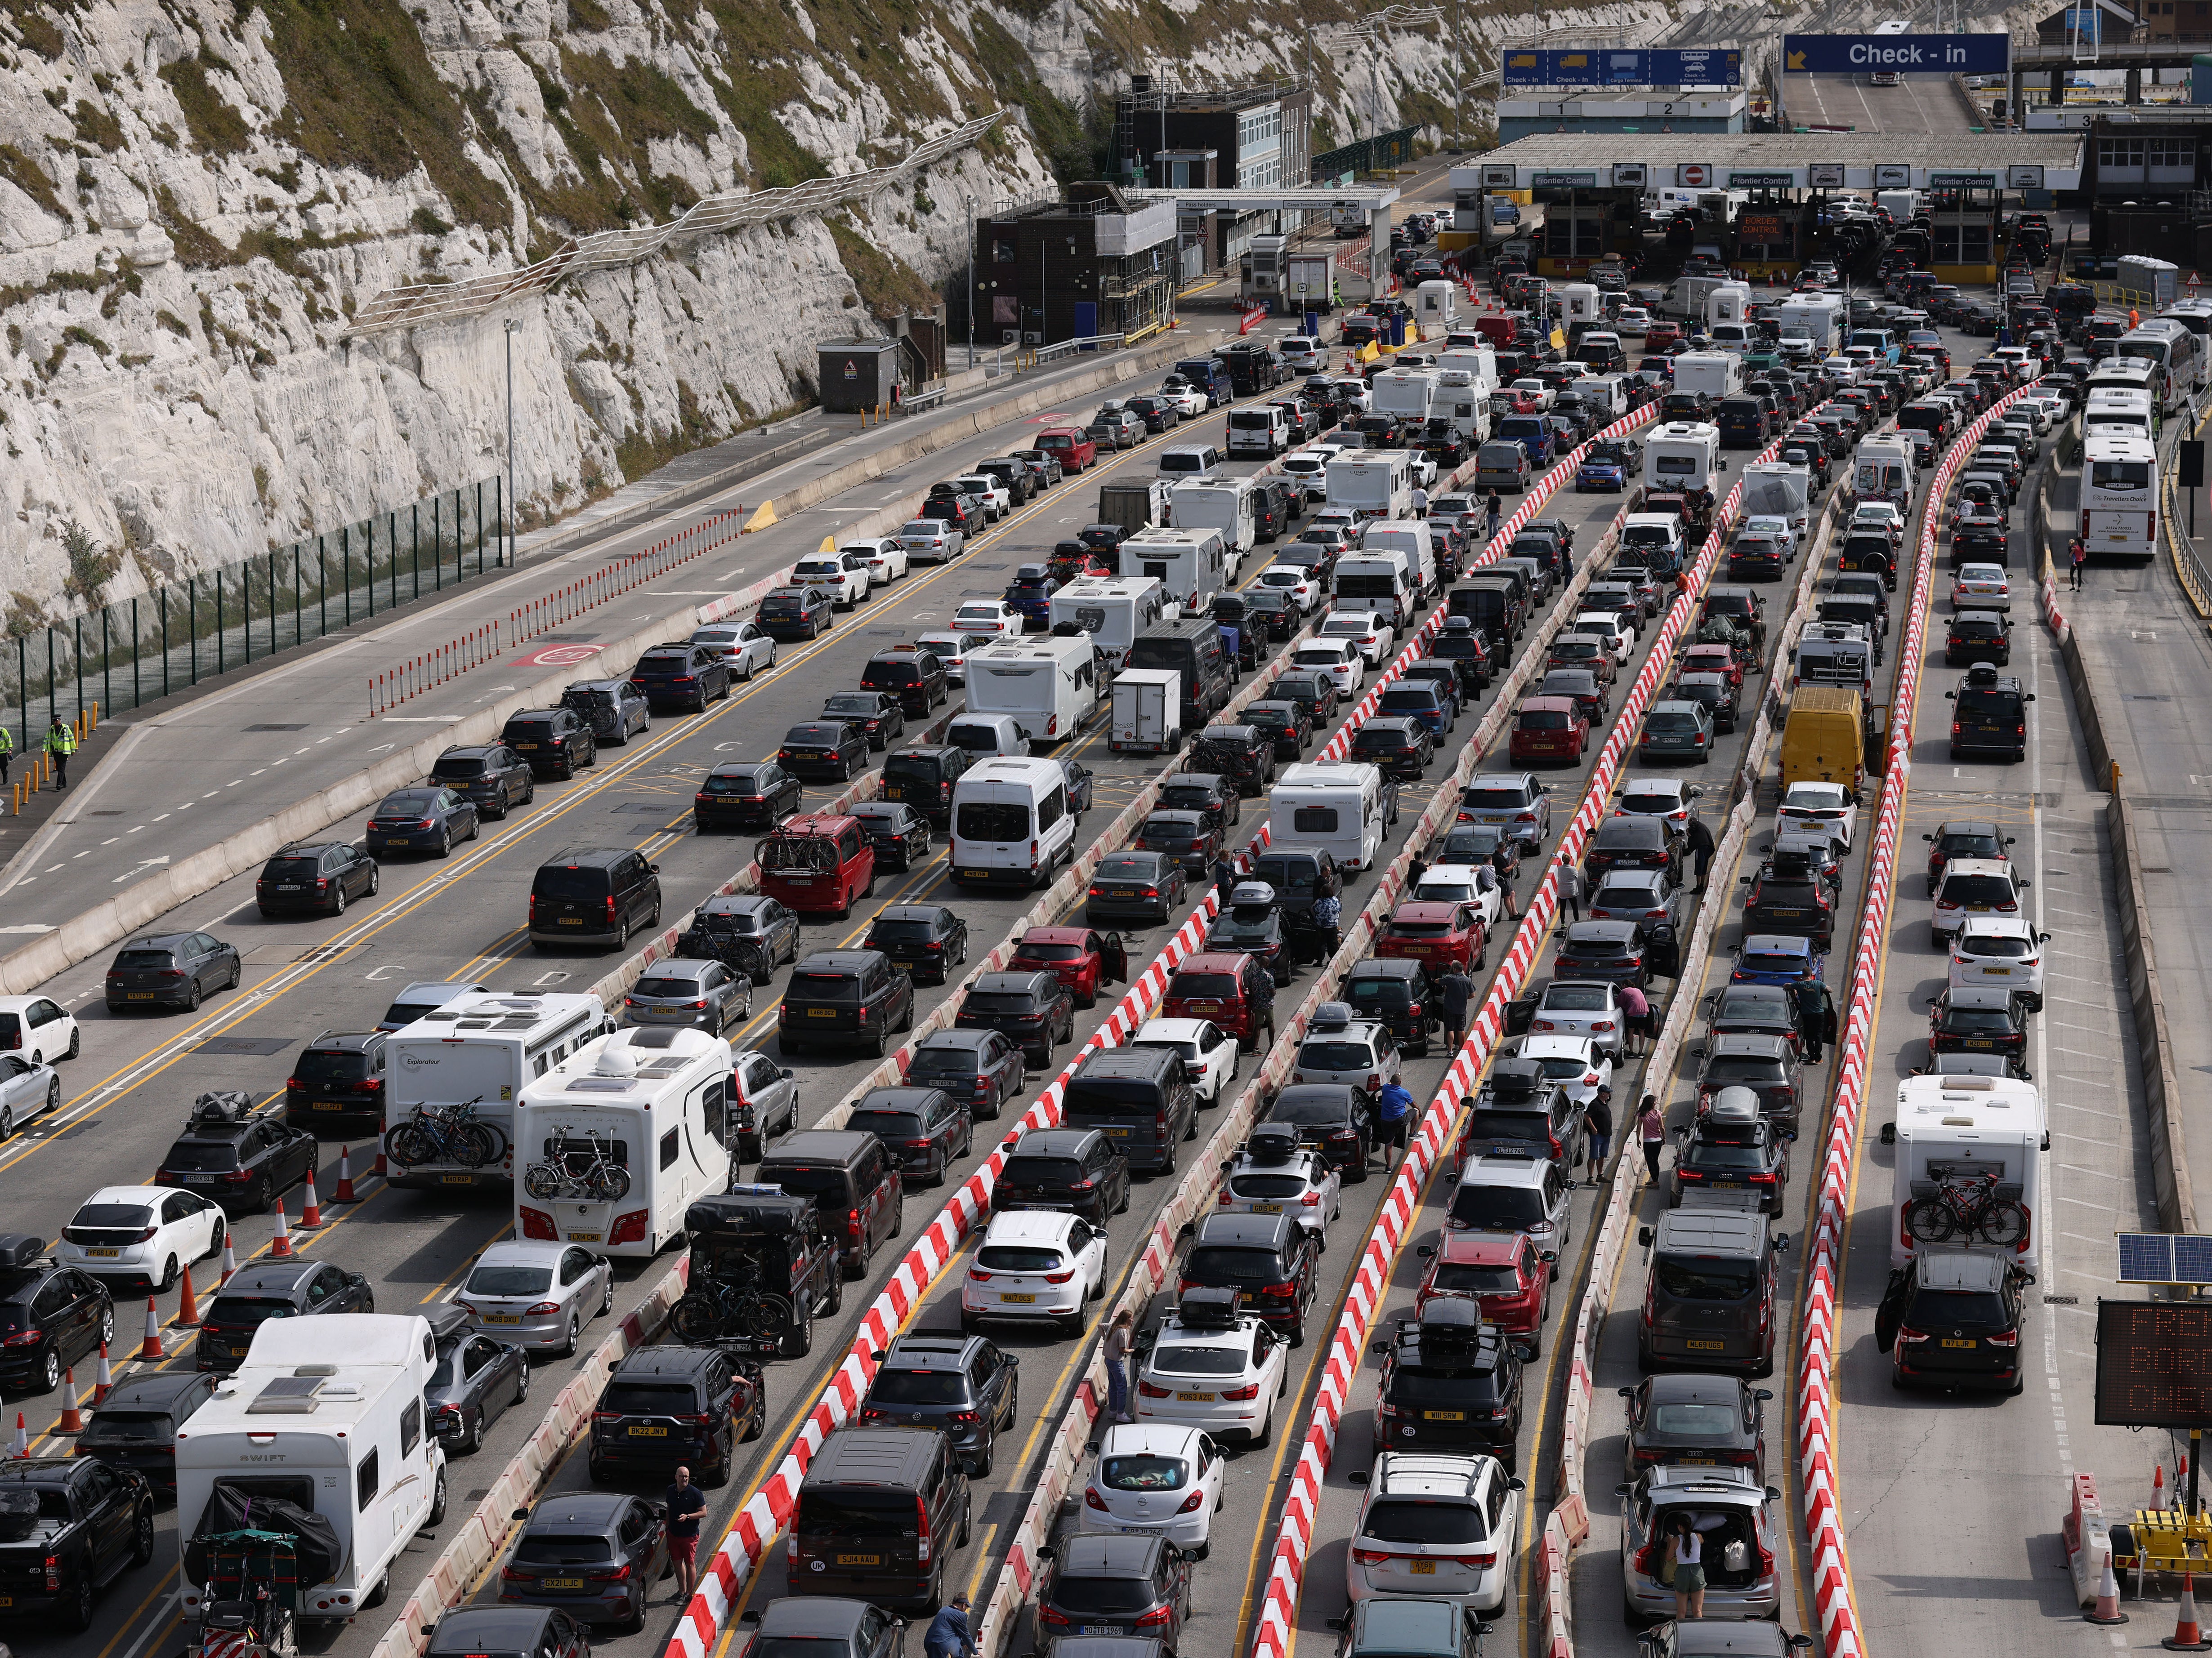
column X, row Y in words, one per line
column 1423, row 466
column 2000, row 951
column 1972, row 887
column 1538, row 391
column 1619, row 643
column 1342, row 1048
column 1303, row 591
column 1273, row 1175
column 951, row 650
column 1368, row 631
column 930, row 539
column 997, row 498
column 1185, row 397
column 1827, row 806
column 1338, row 518
column 1981, row 587
column 1669, row 797
column 741, row 644
column 1631, row 319
column 1308, row 471
column 1222, row 1375
column 1573, row 1062
column 845, row 585
column 886, row 559
column 39, row 1029
column 143, row 1233
column 1458, row 884
column 1155, row 1481
column 1034, row 1265
column 1209, row 1052
column 1883, row 515
column 1436, row 1526
column 1300, row 351
column 1775, row 525
column 992, row 618
column 1580, row 1007
column 1339, row 658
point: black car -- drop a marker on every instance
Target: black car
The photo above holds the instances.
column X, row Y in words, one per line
column 1271, row 614
column 900, row 834
column 1187, row 838
column 1976, row 543
column 1480, row 843
column 927, row 940
column 72, row 1528
column 241, row 1158
column 1082, row 787
column 595, row 1555
column 617, row 708
column 1732, row 1151
column 1397, row 746
column 316, row 877
column 422, row 820
column 1758, row 1010
column 807, row 612
column 264, row 1289
column 1449, row 1383
column 1158, row 414
column 876, row 716
column 1270, row 1262
column 1079, row 1170
column 1613, row 952
column 1286, row 722
column 1214, row 799
column 1134, row 886
column 745, row 794
column 336, row 1084
column 669, row 1406
column 1636, row 842
column 1335, row 1118
column 1316, row 693
column 983, row 1067
column 680, row 674
column 51, row 1316
column 1702, row 1421
column 962, row 1384
column 1033, row 1009
column 171, row 969
column 555, row 741
column 912, row 673
column 923, row 1128
column 1467, row 648
column 1100, row 1583
column 1978, row 636
column 844, row 999
column 492, row 774
column 136, row 1425
column 1396, row 993
column 523, row 1631
column 474, row 1380
column 1954, row 1318
column 1658, row 905
column 1711, row 691
column 823, row 750
column 1242, row 753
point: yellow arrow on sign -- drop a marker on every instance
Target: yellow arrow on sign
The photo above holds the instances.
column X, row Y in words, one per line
column 1797, row 61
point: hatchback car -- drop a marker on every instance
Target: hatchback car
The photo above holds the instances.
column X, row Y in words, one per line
column 1733, row 1512
column 703, row 995
column 1269, row 1261
column 1335, row 1119
column 1975, row 886
column 555, row 742
column 1080, row 1171
column 135, row 1426
column 173, row 969
column 1155, row 1479
column 1034, row 1265
column 1141, row 886
column 878, row 717
column 746, row 646
column 900, row 834
column 1398, row 746
column 1504, row 1273
column 964, row 1385
column 925, row 1129
column 316, row 877
column 1215, row 1369
column 745, row 794
column 768, row 930
column 983, row 1067
column 798, row 612
column 1954, row 1319
column 264, row 1289
column 143, row 1233
column 538, row 1295
column 421, row 820
column 1682, row 1419
column 682, row 674
column 617, row 708
column 491, row 775
column 1123, row 1585
column 595, row 1555
column 1032, row 1010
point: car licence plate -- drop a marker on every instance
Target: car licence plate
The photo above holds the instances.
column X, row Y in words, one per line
column 560, row 1582
column 1980, row 1041
column 1103, row 1629
column 327, row 1105
column 1998, row 971
column 1443, row 1416
column 1019, row 1301
column 103, row 1254
column 1195, row 1397
column 459, row 1180
column 137, row 995
column 1703, row 1346
column 571, row 920
column 639, row 1431
column 821, row 1012
column 238, row 1352
column 859, row 1559
column 975, row 875
column 501, row 1318
column 200, row 1180
column 525, row 747
column 1960, row 1341
column 583, row 1237
column 288, row 886
column 1786, row 914
column 1422, row 1568
column 1267, row 1208
column 1699, row 1461
column 1117, row 1133
column 1206, row 1007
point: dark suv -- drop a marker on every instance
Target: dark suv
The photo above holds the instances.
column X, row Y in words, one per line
column 925, row 1129
column 136, row 1425
column 336, row 1084
column 962, row 1384
column 927, row 940
column 1269, row 1261
column 171, row 969
column 845, row 999
column 911, row 673
column 1954, row 1319
column 663, row 1406
column 555, row 741
column 1990, row 718
column 1245, row 755
column 1079, row 1170
column 617, row 708
column 51, row 1316
column 319, row 878
column 923, row 778
column 1033, row 1010
column 273, row 1289
column 746, row 793
column 1449, row 1383
column 680, row 674
column 240, row 1158
column 594, row 896
column 491, row 775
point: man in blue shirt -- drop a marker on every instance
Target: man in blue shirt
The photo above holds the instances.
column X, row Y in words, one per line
column 1394, row 1108
column 1327, row 912
column 948, row 1635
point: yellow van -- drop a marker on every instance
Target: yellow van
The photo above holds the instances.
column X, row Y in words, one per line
column 1825, row 738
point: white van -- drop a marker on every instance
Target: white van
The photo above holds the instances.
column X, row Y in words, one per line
column 1010, row 822
column 1379, row 580
column 1882, row 470
column 1343, row 810
column 1191, row 566
column 1683, row 454
column 1372, row 483
column 1110, row 609
column 1952, row 1132
column 1263, row 431
column 659, row 1096
column 478, row 1051
column 1181, row 462
column 1606, row 393
column 325, row 1413
column 1049, row 686
column 1225, row 504
column 1408, row 537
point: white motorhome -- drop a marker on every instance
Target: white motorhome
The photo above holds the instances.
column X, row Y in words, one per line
column 1464, row 398
column 325, row 1413
column 1683, row 454
column 1110, row 609
column 1730, row 303
column 1226, row 506
column 1952, row 1132
column 1821, row 316
column 1882, row 470
column 1778, row 489
column 1191, row 566
column 1011, row 821
column 1480, row 360
column 1373, row 482
column 1404, row 393
column 1049, row 685
column 1606, row 393
column 656, row 1101
column 1717, row 374
column 1436, row 307
column 1342, row 809
column 478, row 1051
column 1409, row 538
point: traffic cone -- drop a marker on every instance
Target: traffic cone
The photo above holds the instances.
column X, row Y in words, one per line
column 2186, row 1636
column 229, row 1261
column 2108, row 1599
column 345, row 1194
column 311, row 1211
column 188, row 1305
column 2158, row 1485
column 21, row 1445
column 72, row 1420
column 103, row 1381
column 379, row 1169
column 151, row 1351
column 281, row 1245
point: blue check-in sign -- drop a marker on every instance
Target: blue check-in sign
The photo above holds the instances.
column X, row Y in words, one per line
column 1896, row 54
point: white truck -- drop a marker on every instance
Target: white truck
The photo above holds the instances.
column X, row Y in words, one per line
column 1717, row 374
column 1961, row 1138
column 1310, row 284
column 323, row 1414
column 1111, row 610
column 1227, row 508
column 1147, row 712
column 1373, row 482
column 1778, row 489
column 477, row 1052
column 1683, row 454
column 1048, row 686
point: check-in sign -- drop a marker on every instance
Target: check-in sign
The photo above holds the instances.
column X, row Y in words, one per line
column 1896, row 54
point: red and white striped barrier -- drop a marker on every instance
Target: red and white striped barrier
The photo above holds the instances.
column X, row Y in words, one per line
column 609, row 581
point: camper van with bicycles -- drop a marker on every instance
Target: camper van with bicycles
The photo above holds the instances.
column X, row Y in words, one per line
column 1969, row 1167
column 453, row 1077
column 620, row 1138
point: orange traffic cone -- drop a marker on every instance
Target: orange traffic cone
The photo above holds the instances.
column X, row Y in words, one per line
column 22, row 1445
column 188, row 1305
column 379, row 1169
column 151, row 1351
column 281, row 1245
column 2108, row 1599
column 103, row 1382
column 345, row 1194
column 229, row 1262
column 2158, row 1485
column 2186, row 1636
column 311, row 1211
column 72, row 1420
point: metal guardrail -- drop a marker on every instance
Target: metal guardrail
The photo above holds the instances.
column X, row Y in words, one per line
column 1059, row 348
column 428, row 304
column 1368, row 155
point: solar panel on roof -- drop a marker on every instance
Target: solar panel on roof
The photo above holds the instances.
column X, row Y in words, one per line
column 2164, row 1258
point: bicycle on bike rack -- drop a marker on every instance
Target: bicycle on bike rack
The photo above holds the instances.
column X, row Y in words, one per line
column 1978, row 1206
column 573, row 1170
column 723, row 1307
column 444, row 1133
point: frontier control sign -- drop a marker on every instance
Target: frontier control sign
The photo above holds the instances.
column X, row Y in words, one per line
column 1896, row 54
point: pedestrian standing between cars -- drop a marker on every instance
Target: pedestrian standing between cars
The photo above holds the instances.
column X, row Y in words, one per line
column 61, row 743
column 1816, row 1010
column 1420, row 501
column 2077, row 560
column 1118, row 1343
column 1701, row 848
column 1636, row 1019
column 1393, row 1109
column 1327, row 910
column 7, row 752
column 949, row 1636
column 1224, row 877
column 1494, row 508
column 1570, row 887
column 1486, row 880
column 1457, row 990
column 1415, row 870
column 1651, row 1129
column 687, row 1507
column 1601, row 1131
column 1685, row 1553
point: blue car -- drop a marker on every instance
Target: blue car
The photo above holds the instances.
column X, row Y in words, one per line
column 426, row 819
column 1602, row 474
column 1771, row 958
column 1029, row 595
column 1533, row 433
column 1419, row 699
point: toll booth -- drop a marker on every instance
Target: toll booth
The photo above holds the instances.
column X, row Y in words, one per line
column 1770, row 238
column 1964, row 211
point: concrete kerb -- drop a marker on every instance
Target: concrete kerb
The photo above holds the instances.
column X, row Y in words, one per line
column 2169, row 1157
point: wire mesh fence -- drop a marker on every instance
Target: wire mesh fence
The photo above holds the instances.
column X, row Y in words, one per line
column 136, row 650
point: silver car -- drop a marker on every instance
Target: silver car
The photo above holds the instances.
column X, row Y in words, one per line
column 1515, row 801
column 511, row 1282
column 741, row 644
column 705, row 995
column 26, row 1090
column 1732, row 1516
column 930, row 539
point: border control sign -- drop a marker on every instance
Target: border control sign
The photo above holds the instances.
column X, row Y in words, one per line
column 1896, row 54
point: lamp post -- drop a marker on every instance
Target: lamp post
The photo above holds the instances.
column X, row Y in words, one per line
column 970, row 202
column 508, row 551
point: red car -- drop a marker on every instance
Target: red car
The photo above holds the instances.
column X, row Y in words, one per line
column 1436, row 932
column 1714, row 658
column 1070, row 445
column 1504, row 1272
column 1550, row 728
column 1661, row 335
column 1231, row 987
column 1082, row 958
